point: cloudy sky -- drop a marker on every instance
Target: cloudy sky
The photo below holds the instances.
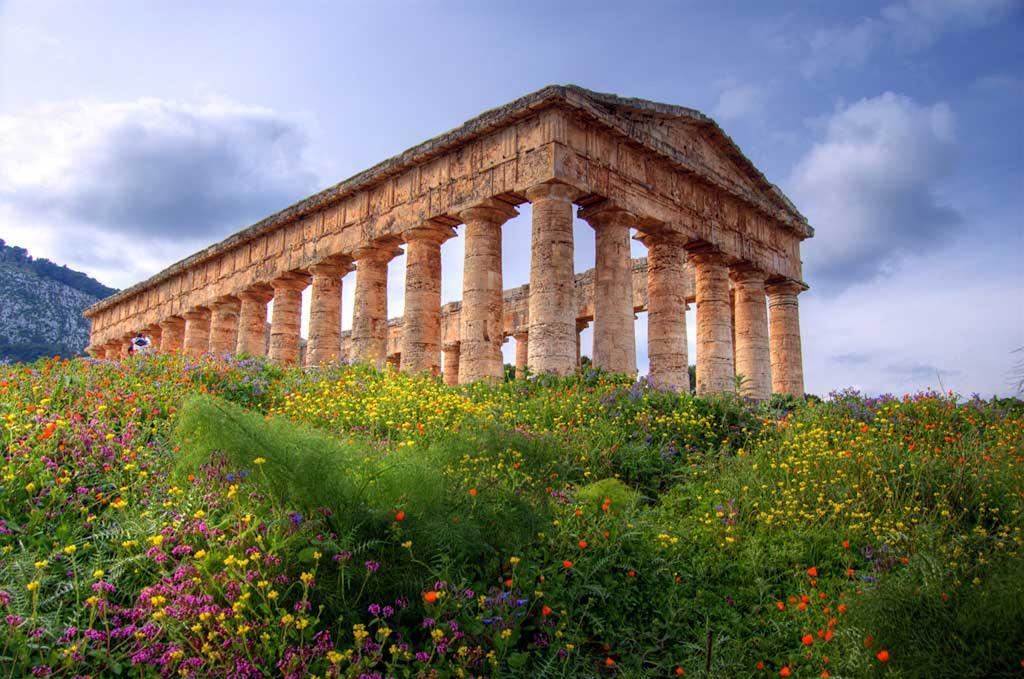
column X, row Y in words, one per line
column 133, row 134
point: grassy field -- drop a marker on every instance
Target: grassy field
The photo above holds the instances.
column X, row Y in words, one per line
column 204, row 518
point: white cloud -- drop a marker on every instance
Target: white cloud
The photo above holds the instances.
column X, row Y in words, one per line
column 125, row 188
column 951, row 320
column 739, row 100
column 908, row 24
column 871, row 187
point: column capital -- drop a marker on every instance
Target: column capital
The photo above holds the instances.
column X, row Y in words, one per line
column 226, row 303
column 746, row 273
column 172, row 322
column 198, row 313
column 521, row 335
column 552, row 191
column 582, row 324
column 785, row 286
column 335, row 265
column 650, row 238
column 291, row 281
column 702, row 253
column 258, row 293
column 380, row 252
column 606, row 213
column 490, row 210
column 429, row 231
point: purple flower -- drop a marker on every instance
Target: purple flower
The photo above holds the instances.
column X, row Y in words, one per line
column 372, row 566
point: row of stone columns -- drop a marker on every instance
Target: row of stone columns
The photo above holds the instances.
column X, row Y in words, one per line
column 733, row 333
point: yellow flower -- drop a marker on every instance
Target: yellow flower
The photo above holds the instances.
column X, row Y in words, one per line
column 407, row 544
column 259, row 461
column 33, row 586
column 70, row 550
column 306, row 578
column 40, row 565
column 201, row 554
column 98, row 574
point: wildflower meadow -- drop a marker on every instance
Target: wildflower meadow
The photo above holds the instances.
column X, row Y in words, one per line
column 223, row 517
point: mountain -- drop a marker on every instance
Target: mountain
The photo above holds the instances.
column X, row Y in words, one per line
column 41, row 306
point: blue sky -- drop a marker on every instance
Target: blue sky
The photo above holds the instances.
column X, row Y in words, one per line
column 132, row 134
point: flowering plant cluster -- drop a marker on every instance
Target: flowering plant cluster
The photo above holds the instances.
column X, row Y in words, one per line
column 173, row 516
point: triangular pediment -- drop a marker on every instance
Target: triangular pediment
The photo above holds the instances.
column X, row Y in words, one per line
column 693, row 139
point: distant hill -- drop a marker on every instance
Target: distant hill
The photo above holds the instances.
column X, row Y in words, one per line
column 41, row 306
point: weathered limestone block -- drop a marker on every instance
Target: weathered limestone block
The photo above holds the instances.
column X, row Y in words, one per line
column 753, row 361
column 481, row 320
column 252, row 321
column 197, row 332
column 172, row 338
column 552, row 285
column 224, row 326
column 666, row 314
column 324, row 346
column 421, row 327
column 786, row 354
column 451, row 365
column 287, row 319
column 370, row 319
column 522, row 353
column 614, row 334
column 715, row 372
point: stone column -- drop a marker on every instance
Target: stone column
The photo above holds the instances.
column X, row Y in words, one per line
column 522, row 353
column 666, row 314
column 287, row 318
column 786, row 354
column 614, row 333
column 421, row 322
column 715, row 372
column 552, row 285
column 451, row 365
column 224, row 326
column 155, row 335
column 370, row 319
column 324, row 344
column 126, row 344
column 252, row 320
column 197, row 331
column 172, row 336
column 481, row 320
column 751, row 333
column 113, row 351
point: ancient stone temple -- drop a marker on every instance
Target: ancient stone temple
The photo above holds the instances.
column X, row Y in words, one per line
column 718, row 235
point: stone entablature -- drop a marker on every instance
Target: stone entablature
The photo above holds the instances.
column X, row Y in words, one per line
column 666, row 171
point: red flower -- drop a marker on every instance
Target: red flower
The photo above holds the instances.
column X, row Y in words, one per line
column 545, row 611
column 609, row 662
column 472, row 491
column 567, row 564
column 399, row 515
column 679, row 671
column 430, row 597
column 784, row 672
column 807, row 639
column 583, row 544
column 812, row 571
column 883, row 656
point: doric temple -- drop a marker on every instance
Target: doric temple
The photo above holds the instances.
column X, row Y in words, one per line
column 717, row 232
